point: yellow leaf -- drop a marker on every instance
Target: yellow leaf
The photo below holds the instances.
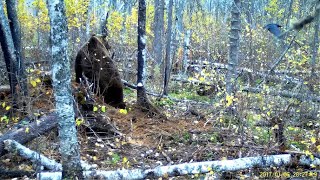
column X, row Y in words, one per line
column 291, row 128
column 8, row 108
column 94, row 158
column 27, row 130
column 318, row 148
column 308, row 153
column 123, row 111
column 4, row 118
column 78, row 39
column 124, row 160
column 79, row 121
column 33, row 83
column 229, row 100
column 103, row 108
column 95, row 108
column 275, row 126
column 224, row 158
column 313, row 140
column 38, row 80
column 190, row 79
column 201, row 79
column 15, row 119
column 123, row 143
column 3, row 104
column 311, row 157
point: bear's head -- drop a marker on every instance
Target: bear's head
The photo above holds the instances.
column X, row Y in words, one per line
column 98, row 41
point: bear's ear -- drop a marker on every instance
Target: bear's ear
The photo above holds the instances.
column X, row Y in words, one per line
column 106, row 44
column 94, row 43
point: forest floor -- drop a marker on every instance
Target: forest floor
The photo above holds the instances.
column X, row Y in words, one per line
column 136, row 140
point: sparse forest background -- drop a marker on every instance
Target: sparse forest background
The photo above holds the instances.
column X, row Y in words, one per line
column 228, row 90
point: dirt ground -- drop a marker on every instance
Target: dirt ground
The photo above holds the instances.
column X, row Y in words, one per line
column 134, row 140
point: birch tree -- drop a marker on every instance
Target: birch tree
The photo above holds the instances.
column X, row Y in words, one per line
column 141, row 92
column 89, row 16
column 61, row 77
column 187, row 36
column 142, row 99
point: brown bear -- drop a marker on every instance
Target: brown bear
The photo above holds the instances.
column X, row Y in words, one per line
column 93, row 61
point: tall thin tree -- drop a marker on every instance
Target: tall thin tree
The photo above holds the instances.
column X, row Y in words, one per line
column 8, row 50
column 141, row 92
column 142, row 99
column 315, row 46
column 158, row 30
column 167, row 68
column 61, row 76
column 187, row 36
column 16, row 37
column 89, row 17
column 234, row 39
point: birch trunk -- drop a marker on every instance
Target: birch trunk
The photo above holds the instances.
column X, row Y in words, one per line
column 61, row 77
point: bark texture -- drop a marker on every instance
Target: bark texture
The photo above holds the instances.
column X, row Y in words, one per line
column 158, row 30
column 61, row 76
column 168, row 50
column 142, row 99
column 8, row 51
column 234, row 47
column 16, row 37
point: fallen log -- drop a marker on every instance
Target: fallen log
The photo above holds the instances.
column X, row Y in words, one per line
column 29, row 132
column 194, row 168
column 34, row 157
column 277, row 76
column 5, row 88
column 285, row 93
column 26, row 133
column 37, row 158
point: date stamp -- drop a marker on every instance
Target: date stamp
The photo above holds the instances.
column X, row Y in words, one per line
column 285, row 174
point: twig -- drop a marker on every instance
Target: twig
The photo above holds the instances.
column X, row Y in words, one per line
column 277, row 61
